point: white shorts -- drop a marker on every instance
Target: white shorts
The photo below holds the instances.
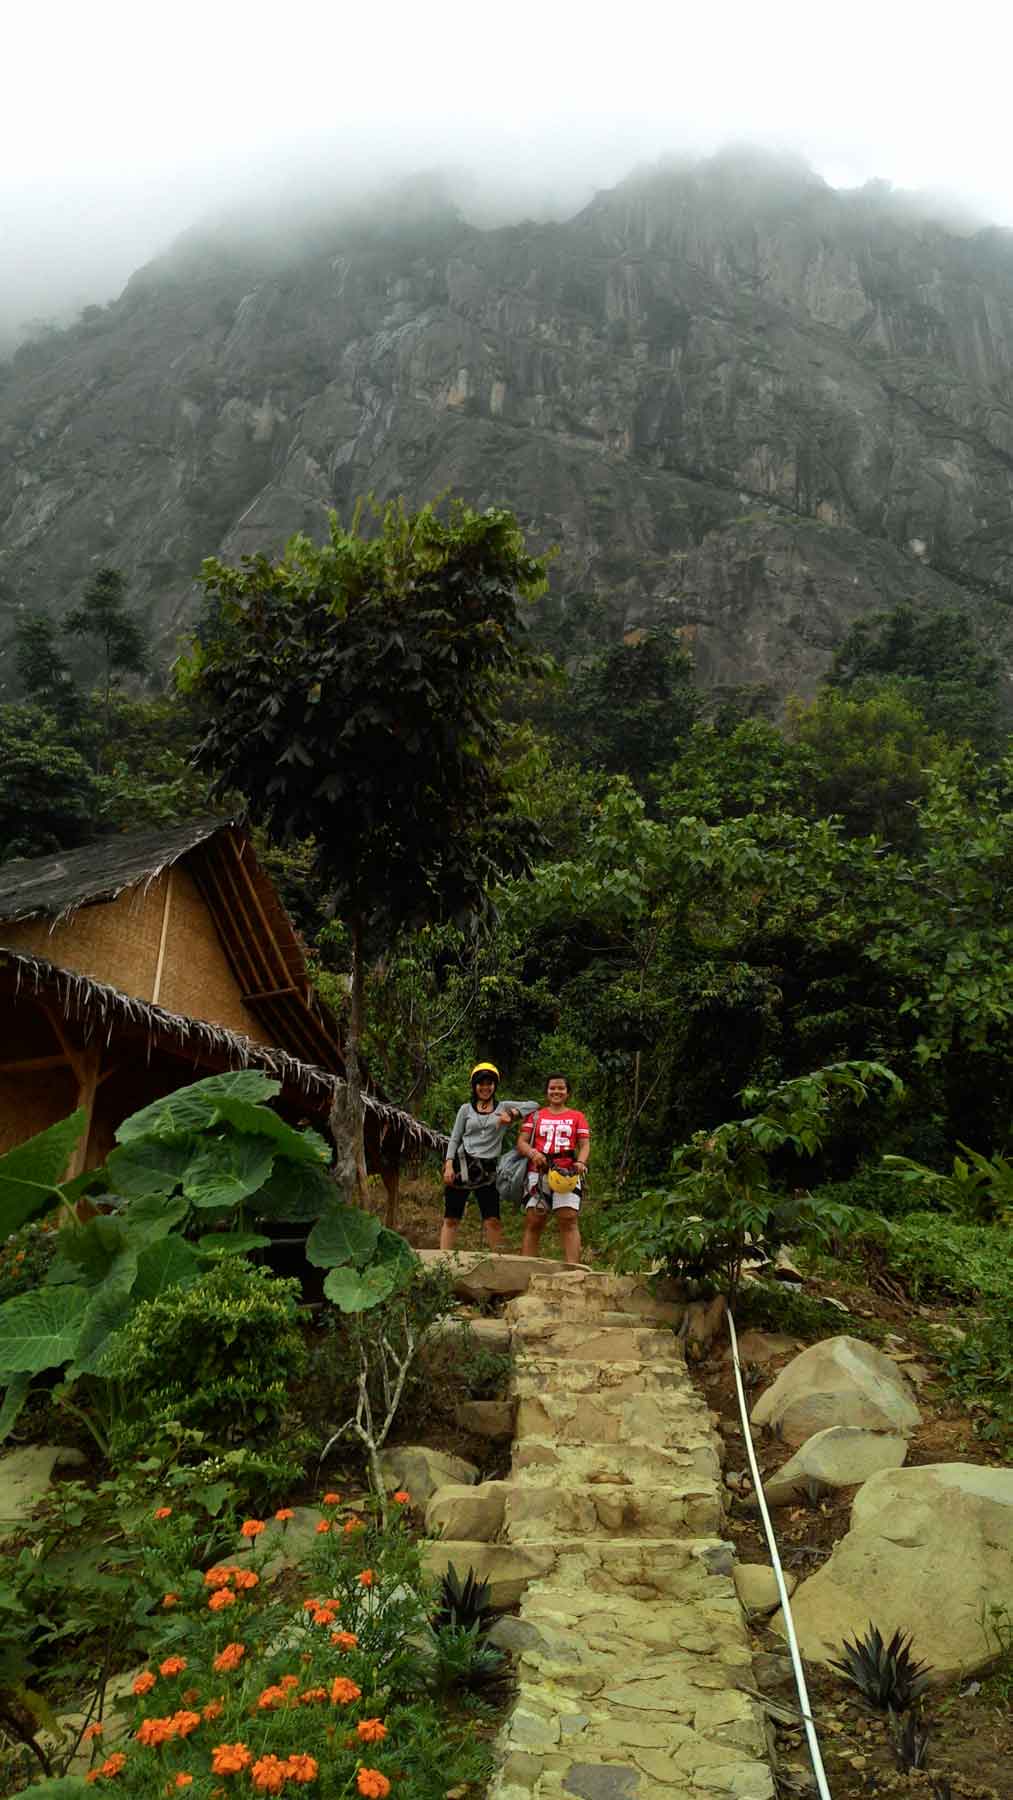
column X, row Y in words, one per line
column 542, row 1198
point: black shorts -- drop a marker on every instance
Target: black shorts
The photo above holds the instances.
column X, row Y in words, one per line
column 454, row 1200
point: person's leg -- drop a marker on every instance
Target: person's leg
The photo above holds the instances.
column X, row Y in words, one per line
column 569, row 1232
column 488, row 1206
column 534, row 1225
column 453, row 1213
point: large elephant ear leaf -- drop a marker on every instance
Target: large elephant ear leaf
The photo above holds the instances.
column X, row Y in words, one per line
column 169, row 1263
column 344, row 1234
column 297, row 1146
column 295, row 1192
column 40, row 1329
column 194, row 1108
column 29, row 1174
column 225, row 1171
column 356, row 1290
column 111, row 1307
column 392, row 1248
column 150, row 1165
column 14, row 1399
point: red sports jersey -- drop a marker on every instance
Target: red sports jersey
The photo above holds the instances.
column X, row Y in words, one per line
column 557, row 1135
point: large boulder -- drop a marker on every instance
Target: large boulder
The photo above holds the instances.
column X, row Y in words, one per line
column 839, row 1457
column 24, row 1477
column 476, row 1512
column 421, row 1470
column 838, row 1382
column 928, row 1551
column 506, row 1567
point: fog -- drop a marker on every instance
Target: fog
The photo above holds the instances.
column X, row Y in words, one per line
column 124, row 125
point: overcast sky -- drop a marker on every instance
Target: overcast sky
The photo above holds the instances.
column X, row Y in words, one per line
column 124, row 122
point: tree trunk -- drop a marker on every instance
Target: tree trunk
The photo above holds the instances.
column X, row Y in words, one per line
column 347, row 1109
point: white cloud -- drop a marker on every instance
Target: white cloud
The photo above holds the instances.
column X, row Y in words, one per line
column 122, row 123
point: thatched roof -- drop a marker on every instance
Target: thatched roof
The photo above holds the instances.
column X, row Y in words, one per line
column 103, row 1014
column 53, row 887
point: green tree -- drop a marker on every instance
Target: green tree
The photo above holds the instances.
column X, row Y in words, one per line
column 351, row 690
column 750, row 767
column 43, row 670
column 628, row 710
column 935, row 661
column 116, row 635
column 870, row 759
column 47, row 790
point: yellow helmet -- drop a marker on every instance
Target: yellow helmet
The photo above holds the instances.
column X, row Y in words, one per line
column 485, row 1069
column 562, row 1184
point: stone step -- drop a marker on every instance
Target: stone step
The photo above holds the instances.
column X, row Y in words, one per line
column 663, row 1419
column 614, row 1298
column 651, row 1569
column 590, row 1341
column 534, row 1513
column 555, row 1374
column 542, row 1462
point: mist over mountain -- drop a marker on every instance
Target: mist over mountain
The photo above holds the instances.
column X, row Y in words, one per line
column 740, row 401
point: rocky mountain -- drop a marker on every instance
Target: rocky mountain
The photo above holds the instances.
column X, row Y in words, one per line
column 738, row 400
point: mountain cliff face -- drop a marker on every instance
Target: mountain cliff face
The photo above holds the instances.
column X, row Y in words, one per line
column 739, row 402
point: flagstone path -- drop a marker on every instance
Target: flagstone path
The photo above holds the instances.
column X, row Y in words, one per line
column 630, row 1644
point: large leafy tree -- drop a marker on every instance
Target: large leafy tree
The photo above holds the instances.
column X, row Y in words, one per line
column 104, row 619
column 351, row 691
column 47, row 792
column 935, row 660
column 630, row 708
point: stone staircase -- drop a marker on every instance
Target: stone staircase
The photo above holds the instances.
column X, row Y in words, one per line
column 630, row 1641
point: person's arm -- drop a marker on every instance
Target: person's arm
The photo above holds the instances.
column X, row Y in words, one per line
column 526, row 1148
column 583, row 1156
column 454, row 1145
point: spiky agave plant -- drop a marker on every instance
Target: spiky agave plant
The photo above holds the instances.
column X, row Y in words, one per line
column 910, row 1742
column 463, row 1603
column 886, row 1675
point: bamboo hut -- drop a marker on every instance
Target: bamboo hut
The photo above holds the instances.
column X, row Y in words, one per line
column 144, row 962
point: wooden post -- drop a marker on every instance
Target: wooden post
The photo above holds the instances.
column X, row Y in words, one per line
column 163, row 936
column 86, row 1066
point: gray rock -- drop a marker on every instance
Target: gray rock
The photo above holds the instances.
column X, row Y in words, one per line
column 839, row 1457
column 457, row 1511
column 602, row 1781
column 928, row 1551
column 756, row 1586
column 26, row 1474
column 421, row 1470
column 841, row 1381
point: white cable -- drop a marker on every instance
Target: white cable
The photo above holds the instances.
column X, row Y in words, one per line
column 803, row 1692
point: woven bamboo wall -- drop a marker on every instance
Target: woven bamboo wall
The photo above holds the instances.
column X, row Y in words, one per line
column 196, row 976
column 115, row 941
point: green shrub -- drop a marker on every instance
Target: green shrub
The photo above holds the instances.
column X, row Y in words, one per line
column 778, row 1306
column 332, row 1387
column 221, row 1358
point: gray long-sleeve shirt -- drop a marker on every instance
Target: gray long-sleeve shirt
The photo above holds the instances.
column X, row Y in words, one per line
column 481, row 1134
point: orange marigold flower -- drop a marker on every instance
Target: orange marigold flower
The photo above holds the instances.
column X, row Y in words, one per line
column 366, row 1577
column 229, row 1759
column 252, row 1528
column 92, row 1775
column 185, row 1722
column 268, row 1773
column 212, row 1709
column 371, row 1731
column 353, row 1525
column 322, row 1526
column 343, row 1691
column 183, row 1779
column 188, row 1696
column 144, row 1683
column 153, row 1732
column 283, row 1514
column 289, row 1681
column 170, row 1600
column 113, row 1764
column 325, row 1615
column 312, row 1695
column 301, row 1768
column 92, row 1731
column 245, row 1578
column 163, row 1512
column 345, row 1640
column 173, row 1665
column 332, row 1500
column 224, row 1597
column 229, row 1658
column 403, row 1497
column 218, row 1577
column 272, row 1697
column 372, row 1784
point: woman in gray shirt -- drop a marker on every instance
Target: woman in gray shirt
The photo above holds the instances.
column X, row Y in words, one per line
column 472, row 1154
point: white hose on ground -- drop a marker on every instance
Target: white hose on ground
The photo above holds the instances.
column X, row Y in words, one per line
column 789, row 1623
